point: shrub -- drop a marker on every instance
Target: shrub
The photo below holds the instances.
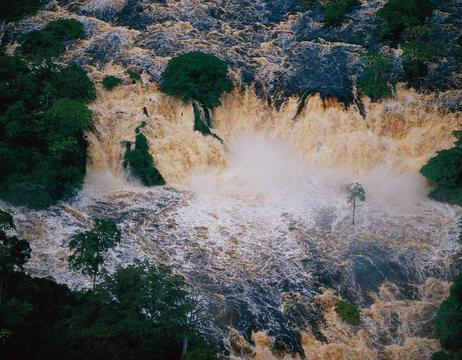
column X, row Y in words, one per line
column 399, row 15
column 444, row 170
column 196, row 76
column 449, row 318
column 374, row 80
column 40, row 45
column 141, row 162
column 42, row 124
column 110, row 82
column 416, row 56
column 336, row 10
column 72, row 82
column 66, row 29
column 15, row 10
column 134, row 76
column 348, row 312
column 48, row 43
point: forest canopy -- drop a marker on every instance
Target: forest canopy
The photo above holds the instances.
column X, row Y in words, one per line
column 43, row 117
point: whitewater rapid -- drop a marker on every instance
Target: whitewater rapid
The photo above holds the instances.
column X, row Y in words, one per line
column 261, row 228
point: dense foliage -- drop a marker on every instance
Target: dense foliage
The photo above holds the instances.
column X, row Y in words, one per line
column 444, row 170
column 140, row 312
column 14, row 252
column 15, row 10
column 374, row 80
column 196, row 76
column 335, row 10
column 50, row 42
column 90, row 246
column 42, row 122
column 400, row 15
column 110, row 82
column 348, row 312
column 141, row 163
column 449, row 324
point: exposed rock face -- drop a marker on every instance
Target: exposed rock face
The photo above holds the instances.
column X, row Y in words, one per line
column 281, row 45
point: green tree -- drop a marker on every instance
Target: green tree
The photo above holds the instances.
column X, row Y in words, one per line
column 335, row 10
column 449, row 319
column 348, row 312
column 50, row 41
column 355, row 192
column 15, row 10
column 140, row 312
column 400, row 15
column 90, row 247
column 374, row 80
column 14, row 252
column 196, row 76
column 110, row 82
column 416, row 56
column 42, row 124
column 141, row 163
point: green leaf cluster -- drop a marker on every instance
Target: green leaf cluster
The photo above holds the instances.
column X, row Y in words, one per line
column 374, row 80
column 50, row 42
column 141, row 163
column 196, row 76
column 348, row 312
column 14, row 252
column 17, row 9
column 444, row 170
column 42, row 122
column 449, row 324
column 89, row 247
column 135, row 76
column 400, row 15
column 335, row 10
column 110, row 82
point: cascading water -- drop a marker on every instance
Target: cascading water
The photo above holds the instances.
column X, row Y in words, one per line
column 261, row 228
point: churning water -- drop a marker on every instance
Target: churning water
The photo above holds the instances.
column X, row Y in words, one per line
column 261, row 228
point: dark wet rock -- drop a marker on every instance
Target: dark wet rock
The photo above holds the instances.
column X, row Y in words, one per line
column 281, row 46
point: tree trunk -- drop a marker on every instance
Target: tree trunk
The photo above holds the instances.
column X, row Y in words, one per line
column 354, row 210
column 94, row 281
column 185, row 347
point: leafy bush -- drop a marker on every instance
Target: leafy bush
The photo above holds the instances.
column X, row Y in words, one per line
column 17, row 9
column 141, row 162
column 134, row 76
column 110, row 82
column 449, row 318
column 416, row 56
column 348, row 312
column 42, row 144
column 400, row 15
column 374, row 80
column 336, row 10
column 196, row 76
column 444, row 170
column 49, row 42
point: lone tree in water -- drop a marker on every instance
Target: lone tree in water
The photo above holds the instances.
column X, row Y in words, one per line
column 89, row 247
column 355, row 192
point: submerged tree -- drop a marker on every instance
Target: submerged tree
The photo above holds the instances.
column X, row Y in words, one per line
column 89, row 247
column 197, row 77
column 141, row 162
column 355, row 192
